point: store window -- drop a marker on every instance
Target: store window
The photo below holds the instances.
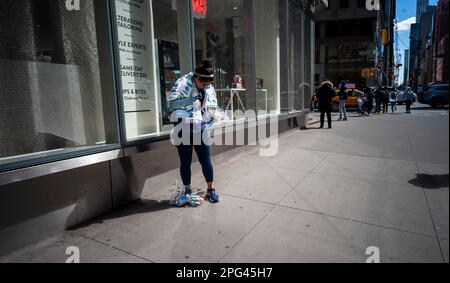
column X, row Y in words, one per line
column 292, row 95
column 155, row 50
column 308, row 78
column 224, row 35
column 268, row 56
column 57, row 95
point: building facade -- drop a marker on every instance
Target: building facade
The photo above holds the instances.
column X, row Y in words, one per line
column 83, row 121
column 406, row 68
column 349, row 39
column 441, row 43
column 430, row 39
column 386, row 18
column 413, row 55
column 429, row 45
column 424, row 50
column 345, row 41
column 421, row 7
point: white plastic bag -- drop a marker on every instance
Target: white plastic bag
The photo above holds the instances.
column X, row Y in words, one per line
column 179, row 197
column 177, row 194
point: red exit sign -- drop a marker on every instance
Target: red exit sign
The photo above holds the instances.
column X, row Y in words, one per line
column 200, row 7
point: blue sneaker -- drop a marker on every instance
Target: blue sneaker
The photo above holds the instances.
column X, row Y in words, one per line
column 192, row 200
column 187, row 191
column 185, row 199
column 212, row 196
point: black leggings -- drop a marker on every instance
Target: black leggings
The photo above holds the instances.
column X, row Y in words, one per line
column 204, row 157
column 323, row 111
column 385, row 106
column 408, row 106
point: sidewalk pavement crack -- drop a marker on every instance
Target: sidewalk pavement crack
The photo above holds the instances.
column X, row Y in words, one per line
column 243, row 237
column 358, row 155
column 358, row 221
column 425, row 195
column 117, row 249
column 334, row 216
column 302, row 179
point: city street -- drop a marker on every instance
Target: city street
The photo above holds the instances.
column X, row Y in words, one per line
column 329, row 195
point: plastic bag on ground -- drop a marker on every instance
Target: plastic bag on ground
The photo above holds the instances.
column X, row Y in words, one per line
column 179, row 197
column 177, row 194
column 193, row 200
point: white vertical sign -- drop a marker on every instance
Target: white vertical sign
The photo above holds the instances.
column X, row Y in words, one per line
column 137, row 56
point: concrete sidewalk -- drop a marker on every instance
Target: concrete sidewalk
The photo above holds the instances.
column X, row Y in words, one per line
column 326, row 197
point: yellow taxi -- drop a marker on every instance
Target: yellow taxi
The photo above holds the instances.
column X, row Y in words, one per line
column 352, row 101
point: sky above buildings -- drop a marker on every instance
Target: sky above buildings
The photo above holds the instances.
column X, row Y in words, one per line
column 406, row 15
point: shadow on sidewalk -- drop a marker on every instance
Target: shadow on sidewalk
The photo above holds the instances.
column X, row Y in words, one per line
column 429, row 108
column 430, row 181
column 314, row 128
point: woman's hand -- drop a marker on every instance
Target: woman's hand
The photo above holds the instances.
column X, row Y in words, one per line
column 180, row 103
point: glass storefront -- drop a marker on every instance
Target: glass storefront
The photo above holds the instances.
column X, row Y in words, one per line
column 153, row 40
column 225, row 37
column 309, row 53
column 284, row 50
column 97, row 78
column 57, row 94
column 268, row 55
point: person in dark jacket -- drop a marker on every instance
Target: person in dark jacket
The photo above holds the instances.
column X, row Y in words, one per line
column 325, row 95
column 369, row 101
column 409, row 96
column 378, row 99
column 386, row 100
column 343, row 96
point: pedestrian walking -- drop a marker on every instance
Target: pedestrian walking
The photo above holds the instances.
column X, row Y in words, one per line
column 378, row 100
column 386, row 100
column 325, row 95
column 368, row 101
column 409, row 96
column 362, row 105
column 343, row 96
column 393, row 101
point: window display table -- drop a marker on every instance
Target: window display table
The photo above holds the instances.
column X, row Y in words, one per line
column 234, row 94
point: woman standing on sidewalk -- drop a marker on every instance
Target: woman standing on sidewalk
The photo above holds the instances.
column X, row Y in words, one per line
column 186, row 102
column 393, row 101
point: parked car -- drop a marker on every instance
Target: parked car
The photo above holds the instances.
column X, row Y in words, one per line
column 420, row 90
column 436, row 95
column 352, row 101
